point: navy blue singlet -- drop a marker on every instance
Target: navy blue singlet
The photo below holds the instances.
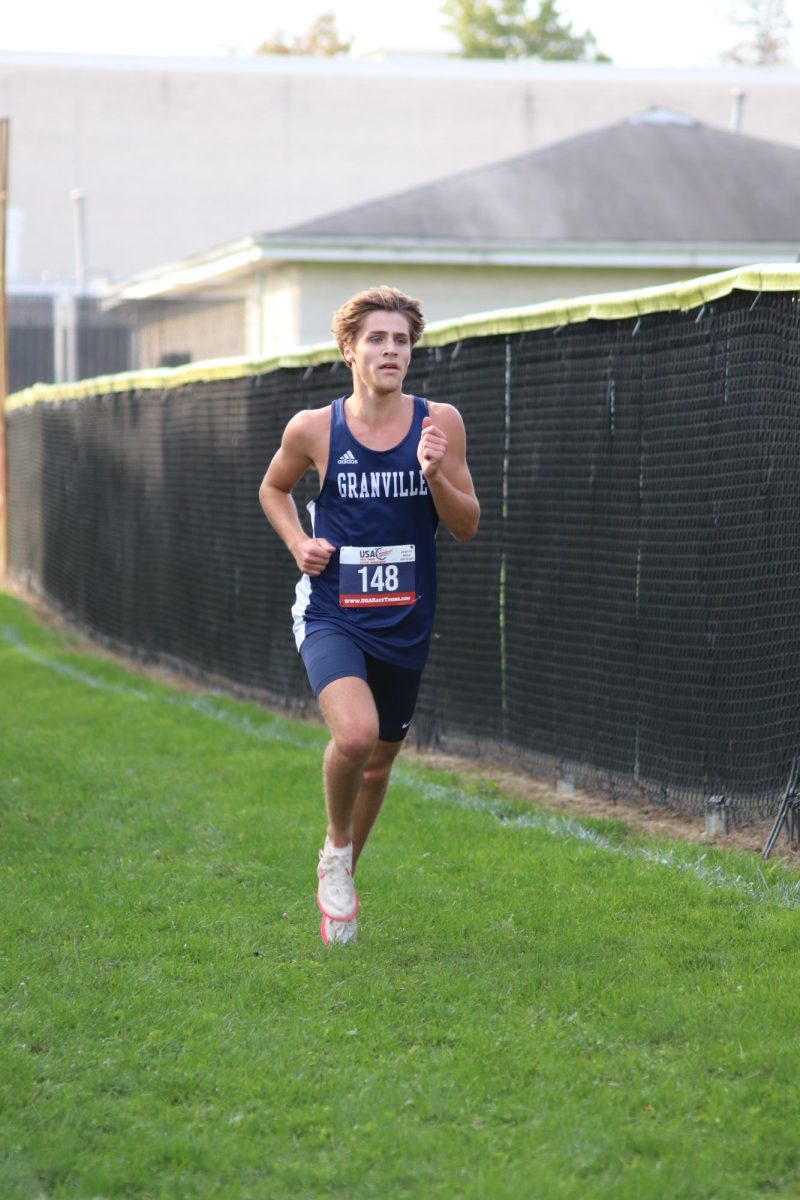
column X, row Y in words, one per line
column 375, row 508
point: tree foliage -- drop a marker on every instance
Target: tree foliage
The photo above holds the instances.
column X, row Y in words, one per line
column 321, row 39
column 766, row 26
column 506, row 29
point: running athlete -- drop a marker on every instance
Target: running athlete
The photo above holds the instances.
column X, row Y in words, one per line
column 391, row 466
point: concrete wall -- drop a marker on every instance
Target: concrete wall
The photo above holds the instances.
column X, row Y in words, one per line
column 176, row 156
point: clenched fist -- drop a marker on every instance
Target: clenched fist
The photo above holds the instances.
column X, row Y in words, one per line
column 312, row 555
column 431, row 449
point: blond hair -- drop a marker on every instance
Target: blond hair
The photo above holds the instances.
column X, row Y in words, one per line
column 348, row 319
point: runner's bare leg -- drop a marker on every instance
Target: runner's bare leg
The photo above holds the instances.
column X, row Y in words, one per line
column 374, row 782
column 352, row 719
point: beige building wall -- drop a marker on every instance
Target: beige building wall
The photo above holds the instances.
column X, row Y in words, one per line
column 190, row 330
column 177, row 156
column 293, row 305
column 281, row 305
column 446, row 292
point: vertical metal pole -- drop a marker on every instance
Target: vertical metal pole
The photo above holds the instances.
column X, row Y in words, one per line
column 4, row 145
column 65, row 336
column 78, row 198
column 738, row 97
column 503, row 559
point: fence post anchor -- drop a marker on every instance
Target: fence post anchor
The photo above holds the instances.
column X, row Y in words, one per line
column 717, row 816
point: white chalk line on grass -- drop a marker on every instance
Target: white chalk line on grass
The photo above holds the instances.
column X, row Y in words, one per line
column 204, row 704
column 784, row 893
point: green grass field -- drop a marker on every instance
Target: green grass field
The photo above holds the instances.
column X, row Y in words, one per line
column 538, row 1007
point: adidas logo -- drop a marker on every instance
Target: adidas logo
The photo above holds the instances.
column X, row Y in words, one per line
column 348, row 459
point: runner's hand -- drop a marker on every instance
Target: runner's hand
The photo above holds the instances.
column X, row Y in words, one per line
column 312, row 555
column 431, row 449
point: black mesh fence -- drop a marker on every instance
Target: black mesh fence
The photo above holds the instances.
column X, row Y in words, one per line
column 628, row 615
column 101, row 342
column 31, row 348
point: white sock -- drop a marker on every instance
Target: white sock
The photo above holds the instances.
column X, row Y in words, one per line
column 345, row 851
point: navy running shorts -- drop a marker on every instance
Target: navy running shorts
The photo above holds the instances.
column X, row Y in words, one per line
column 329, row 654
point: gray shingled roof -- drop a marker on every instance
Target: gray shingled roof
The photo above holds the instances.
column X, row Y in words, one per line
column 658, row 177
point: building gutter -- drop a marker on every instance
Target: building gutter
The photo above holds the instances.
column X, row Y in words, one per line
column 190, row 274
column 241, row 258
column 577, row 254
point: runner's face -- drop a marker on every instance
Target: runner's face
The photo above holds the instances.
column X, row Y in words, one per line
column 381, row 352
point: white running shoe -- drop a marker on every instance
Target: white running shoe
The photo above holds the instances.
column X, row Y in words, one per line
column 336, row 893
column 338, row 933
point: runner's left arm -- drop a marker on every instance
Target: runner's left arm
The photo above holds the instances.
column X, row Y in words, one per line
column 442, row 454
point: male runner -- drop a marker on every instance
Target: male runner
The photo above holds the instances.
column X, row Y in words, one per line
column 390, row 466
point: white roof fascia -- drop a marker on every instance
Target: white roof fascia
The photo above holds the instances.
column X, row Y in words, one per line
column 191, row 273
column 219, row 295
column 542, row 254
column 238, row 259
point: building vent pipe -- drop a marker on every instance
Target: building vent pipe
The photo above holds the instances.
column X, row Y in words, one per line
column 78, row 198
column 738, row 97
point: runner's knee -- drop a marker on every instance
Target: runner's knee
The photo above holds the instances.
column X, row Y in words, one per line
column 379, row 766
column 356, row 742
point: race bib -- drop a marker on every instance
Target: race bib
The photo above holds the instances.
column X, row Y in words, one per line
column 371, row 576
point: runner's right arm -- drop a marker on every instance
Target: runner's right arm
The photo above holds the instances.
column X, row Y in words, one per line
column 288, row 466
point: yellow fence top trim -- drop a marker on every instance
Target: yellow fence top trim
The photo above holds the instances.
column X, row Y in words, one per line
column 688, row 294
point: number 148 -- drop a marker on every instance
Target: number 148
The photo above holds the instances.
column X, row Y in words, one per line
column 384, row 579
